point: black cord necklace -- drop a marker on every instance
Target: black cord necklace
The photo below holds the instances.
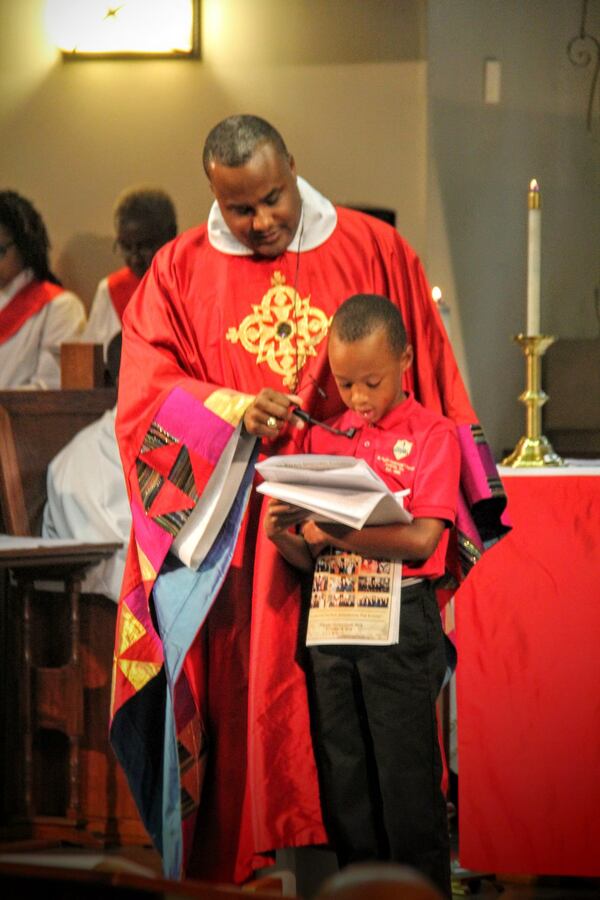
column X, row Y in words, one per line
column 284, row 329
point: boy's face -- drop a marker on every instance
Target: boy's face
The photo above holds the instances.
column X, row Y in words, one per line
column 368, row 373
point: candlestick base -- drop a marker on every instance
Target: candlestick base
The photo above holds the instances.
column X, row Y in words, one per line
column 532, row 454
column 533, row 450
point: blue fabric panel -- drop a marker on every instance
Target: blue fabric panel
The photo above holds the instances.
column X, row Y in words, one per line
column 182, row 600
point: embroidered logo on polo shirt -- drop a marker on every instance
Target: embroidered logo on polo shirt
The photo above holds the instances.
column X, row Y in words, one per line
column 402, row 448
column 394, row 466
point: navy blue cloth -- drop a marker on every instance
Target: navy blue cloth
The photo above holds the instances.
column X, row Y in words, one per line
column 376, row 742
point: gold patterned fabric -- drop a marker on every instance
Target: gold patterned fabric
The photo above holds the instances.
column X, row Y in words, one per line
column 282, row 330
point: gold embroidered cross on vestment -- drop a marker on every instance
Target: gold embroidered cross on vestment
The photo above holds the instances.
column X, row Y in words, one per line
column 282, row 330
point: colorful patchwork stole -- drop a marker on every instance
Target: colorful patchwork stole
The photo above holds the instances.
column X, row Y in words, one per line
column 156, row 730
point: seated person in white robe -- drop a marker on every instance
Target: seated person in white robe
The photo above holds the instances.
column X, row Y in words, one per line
column 37, row 314
column 144, row 220
column 87, row 498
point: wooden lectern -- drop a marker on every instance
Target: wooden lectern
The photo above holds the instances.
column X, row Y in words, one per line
column 60, row 778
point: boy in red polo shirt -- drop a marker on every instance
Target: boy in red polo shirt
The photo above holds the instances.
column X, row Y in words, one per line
column 373, row 707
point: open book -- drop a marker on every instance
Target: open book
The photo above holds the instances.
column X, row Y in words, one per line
column 335, row 488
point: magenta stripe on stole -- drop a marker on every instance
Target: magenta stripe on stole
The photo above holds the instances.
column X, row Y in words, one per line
column 465, row 524
column 476, row 466
column 187, row 419
column 138, row 604
column 153, row 540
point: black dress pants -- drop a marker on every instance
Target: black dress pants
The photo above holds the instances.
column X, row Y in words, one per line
column 376, row 743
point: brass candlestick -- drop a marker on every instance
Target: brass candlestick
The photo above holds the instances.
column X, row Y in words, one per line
column 533, row 450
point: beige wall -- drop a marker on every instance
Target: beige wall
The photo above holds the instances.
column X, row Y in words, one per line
column 346, row 88
column 480, row 161
column 369, row 120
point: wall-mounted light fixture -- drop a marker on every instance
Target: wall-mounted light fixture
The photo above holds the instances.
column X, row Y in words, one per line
column 124, row 29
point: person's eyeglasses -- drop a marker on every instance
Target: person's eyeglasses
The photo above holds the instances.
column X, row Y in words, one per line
column 127, row 249
column 4, row 248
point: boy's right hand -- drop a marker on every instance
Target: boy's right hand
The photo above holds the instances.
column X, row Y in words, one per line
column 280, row 517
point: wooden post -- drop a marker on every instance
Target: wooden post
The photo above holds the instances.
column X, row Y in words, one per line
column 81, row 366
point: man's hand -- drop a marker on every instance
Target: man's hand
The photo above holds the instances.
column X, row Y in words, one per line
column 281, row 516
column 269, row 412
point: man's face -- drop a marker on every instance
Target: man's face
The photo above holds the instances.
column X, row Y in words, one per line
column 260, row 201
column 137, row 242
column 368, row 373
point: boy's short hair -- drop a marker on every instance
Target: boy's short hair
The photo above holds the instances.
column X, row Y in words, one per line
column 361, row 315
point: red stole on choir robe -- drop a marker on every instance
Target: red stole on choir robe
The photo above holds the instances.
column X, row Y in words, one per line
column 26, row 303
column 204, row 316
column 121, row 285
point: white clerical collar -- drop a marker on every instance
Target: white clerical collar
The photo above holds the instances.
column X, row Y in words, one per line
column 14, row 286
column 317, row 223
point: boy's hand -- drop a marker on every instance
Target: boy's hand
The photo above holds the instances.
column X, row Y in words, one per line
column 281, row 516
column 269, row 412
column 315, row 537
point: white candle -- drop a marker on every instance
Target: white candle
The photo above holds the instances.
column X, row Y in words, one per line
column 534, row 246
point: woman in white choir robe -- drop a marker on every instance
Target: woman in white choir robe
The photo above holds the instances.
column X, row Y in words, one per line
column 37, row 314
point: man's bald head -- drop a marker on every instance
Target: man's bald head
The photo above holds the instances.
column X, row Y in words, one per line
column 234, row 141
column 253, row 178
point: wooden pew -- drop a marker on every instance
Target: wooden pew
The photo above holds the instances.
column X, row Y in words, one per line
column 60, row 778
column 110, row 880
column 34, row 426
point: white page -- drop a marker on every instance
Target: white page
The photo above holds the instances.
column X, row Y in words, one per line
column 350, row 507
column 316, row 469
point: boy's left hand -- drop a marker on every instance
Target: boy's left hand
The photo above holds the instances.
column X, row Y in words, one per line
column 282, row 516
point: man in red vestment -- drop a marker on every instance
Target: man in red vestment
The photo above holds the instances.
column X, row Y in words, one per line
column 225, row 335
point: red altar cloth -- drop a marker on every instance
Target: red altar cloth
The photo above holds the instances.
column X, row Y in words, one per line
column 528, row 684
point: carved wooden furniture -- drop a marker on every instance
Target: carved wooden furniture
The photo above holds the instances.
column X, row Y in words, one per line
column 81, row 366
column 114, row 878
column 48, row 688
column 60, row 778
column 34, row 426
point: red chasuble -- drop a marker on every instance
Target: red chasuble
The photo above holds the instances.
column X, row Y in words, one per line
column 121, row 285
column 202, row 320
column 26, row 303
